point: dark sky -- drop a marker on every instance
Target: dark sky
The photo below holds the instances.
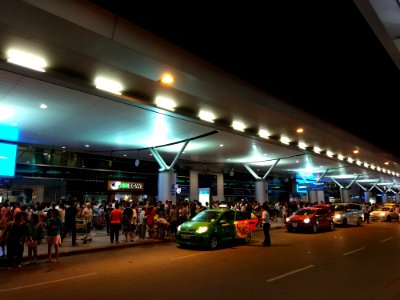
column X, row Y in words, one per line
column 320, row 56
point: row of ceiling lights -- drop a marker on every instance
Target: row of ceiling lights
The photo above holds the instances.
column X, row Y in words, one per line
column 37, row 63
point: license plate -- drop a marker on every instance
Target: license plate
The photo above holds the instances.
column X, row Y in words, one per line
column 185, row 236
column 294, row 224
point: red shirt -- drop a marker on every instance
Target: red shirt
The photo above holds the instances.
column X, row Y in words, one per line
column 116, row 216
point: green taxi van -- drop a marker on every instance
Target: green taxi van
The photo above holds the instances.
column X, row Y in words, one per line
column 213, row 227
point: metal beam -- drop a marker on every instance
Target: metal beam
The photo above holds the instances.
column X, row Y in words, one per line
column 270, row 169
column 335, row 181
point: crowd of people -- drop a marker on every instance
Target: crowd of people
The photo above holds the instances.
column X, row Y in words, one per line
column 28, row 225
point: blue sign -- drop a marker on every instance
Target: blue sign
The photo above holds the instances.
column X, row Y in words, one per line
column 8, row 157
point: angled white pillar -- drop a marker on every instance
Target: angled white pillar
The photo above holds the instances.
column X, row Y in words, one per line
column 166, row 183
column 344, row 195
column 261, row 186
column 261, row 191
column 367, row 196
column 167, row 176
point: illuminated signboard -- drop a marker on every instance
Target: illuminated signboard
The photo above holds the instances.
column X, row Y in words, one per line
column 125, row 186
column 8, row 156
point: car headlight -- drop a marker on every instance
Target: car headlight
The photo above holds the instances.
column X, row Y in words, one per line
column 287, row 219
column 179, row 227
column 201, row 229
column 306, row 221
column 382, row 214
column 338, row 216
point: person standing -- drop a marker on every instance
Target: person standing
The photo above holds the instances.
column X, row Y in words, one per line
column 70, row 221
column 265, row 219
column 16, row 233
column 53, row 225
column 115, row 223
column 366, row 213
column 35, row 236
column 87, row 214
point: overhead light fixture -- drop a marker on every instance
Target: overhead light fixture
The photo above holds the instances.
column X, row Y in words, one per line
column 355, row 151
column 26, row 60
column 350, row 160
column 237, row 125
column 299, row 130
column 264, row 133
column 302, row 145
column 358, row 162
column 285, row 140
column 231, row 173
column 340, row 157
column 386, row 163
column 206, row 116
column 167, row 79
column 43, row 106
column 5, row 113
column 166, row 103
column 366, row 165
column 317, row 149
column 330, row 153
column 108, row 85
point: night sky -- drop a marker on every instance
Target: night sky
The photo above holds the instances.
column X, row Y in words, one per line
column 321, row 57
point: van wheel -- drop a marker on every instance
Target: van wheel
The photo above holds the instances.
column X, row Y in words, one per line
column 359, row 222
column 389, row 219
column 345, row 222
column 213, row 242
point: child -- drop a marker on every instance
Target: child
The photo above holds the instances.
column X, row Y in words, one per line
column 35, row 235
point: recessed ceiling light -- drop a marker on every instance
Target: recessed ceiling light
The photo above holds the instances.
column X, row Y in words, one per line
column 355, row 151
column 87, row 145
column 26, row 60
column 299, row 130
column 237, row 125
column 221, row 145
column 43, row 106
column 5, row 113
column 168, row 79
column 386, row 163
column 166, row 103
column 330, row 153
column 108, row 85
column 207, row 116
column 302, row 145
column 285, row 140
column 317, row 149
column 264, row 133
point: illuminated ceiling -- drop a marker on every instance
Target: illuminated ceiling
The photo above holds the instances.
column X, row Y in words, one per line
column 81, row 41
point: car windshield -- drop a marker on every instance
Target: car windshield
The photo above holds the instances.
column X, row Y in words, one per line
column 304, row 212
column 339, row 208
column 206, row 216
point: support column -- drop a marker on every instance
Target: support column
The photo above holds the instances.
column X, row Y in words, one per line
column 344, row 195
column 261, row 191
column 367, row 195
column 166, row 190
column 312, row 196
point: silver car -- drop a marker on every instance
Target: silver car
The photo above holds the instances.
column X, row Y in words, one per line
column 348, row 213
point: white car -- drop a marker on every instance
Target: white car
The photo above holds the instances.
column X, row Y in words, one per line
column 348, row 213
column 385, row 213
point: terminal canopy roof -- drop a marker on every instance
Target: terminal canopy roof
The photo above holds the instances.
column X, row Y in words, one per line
column 62, row 107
